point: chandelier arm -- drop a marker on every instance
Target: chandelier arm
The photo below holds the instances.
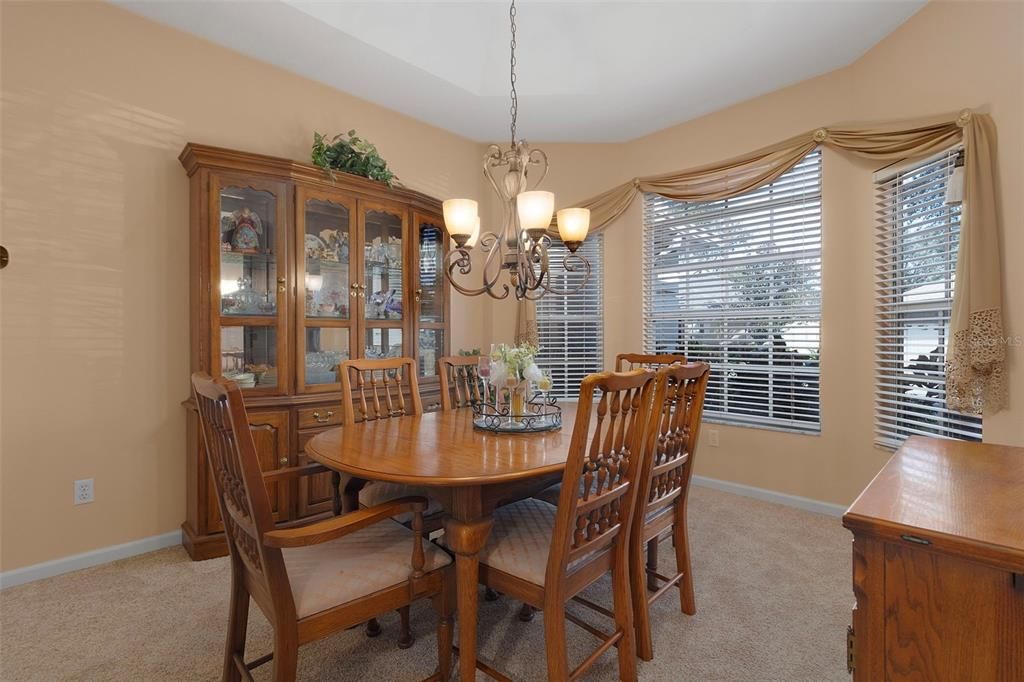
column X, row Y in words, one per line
column 540, row 160
column 459, row 259
column 572, row 263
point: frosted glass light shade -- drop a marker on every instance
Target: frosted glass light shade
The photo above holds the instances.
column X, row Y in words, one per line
column 471, row 242
column 460, row 218
column 535, row 209
column 573, row 226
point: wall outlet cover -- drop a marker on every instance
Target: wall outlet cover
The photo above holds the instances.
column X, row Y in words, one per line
column 713, row 437
column 84, row 491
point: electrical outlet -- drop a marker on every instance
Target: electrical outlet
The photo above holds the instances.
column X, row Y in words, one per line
column 713, row 437
column 83, row 491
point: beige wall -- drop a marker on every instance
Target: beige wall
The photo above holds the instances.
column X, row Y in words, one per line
column 949, row 56
column 97, row 104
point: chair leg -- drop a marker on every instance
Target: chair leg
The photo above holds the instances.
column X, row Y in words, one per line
column 623, row 608
column 641, row 607
column 491, row 595
column 652, row 564
column 445, row 606
column 555, row 641
column 405, row 638
column 687, row 603
column 526, row 613
column 286, row 655
column 238, row 620
column 372, row 628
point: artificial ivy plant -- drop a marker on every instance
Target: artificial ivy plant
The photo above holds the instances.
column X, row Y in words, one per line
column 349, row 153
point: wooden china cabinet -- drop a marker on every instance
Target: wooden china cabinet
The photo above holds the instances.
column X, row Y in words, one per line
column 292, row 272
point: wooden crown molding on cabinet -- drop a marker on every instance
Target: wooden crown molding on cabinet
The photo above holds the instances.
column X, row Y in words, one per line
column 195, row 156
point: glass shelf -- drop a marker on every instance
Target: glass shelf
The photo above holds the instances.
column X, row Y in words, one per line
column 248, row 355
column 248, row 264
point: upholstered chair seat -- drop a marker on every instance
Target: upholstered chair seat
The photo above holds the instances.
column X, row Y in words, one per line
column 354, row 566
column 379, row 492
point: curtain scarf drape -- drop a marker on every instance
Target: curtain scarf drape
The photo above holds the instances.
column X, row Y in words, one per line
column 976, row 350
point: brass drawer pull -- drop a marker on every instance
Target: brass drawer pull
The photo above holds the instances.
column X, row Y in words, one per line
column 324, row 419
column 284, row 461
column 916, row 540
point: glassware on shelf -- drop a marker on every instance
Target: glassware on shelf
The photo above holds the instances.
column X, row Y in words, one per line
column 249, row 356
column 248, row 268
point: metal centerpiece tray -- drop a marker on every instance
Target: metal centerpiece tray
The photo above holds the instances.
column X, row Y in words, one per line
column 540, row 414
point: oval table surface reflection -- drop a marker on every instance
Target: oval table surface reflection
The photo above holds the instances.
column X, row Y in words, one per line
column 471, row 471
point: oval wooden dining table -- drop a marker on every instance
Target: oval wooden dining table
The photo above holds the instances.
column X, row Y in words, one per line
column 471, row 472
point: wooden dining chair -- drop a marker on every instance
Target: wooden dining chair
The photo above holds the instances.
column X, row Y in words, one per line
column 545, row 556
column 627, row 361
column 460, row 383
column 309, row 581
column 662, row 488
column 374, row 389
column 624, row 362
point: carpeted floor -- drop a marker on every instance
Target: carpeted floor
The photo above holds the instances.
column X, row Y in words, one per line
column 773, row 600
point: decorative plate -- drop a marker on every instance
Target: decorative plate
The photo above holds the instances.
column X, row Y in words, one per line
column 315, row 247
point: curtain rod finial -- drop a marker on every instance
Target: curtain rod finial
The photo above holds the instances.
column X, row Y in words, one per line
column 820, row 135
column 964, row 118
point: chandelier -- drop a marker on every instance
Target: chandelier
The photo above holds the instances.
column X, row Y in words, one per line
column 521, row 247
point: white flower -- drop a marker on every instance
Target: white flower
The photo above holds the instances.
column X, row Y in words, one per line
column 532, row 372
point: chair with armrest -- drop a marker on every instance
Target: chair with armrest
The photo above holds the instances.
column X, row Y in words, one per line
column 374, row 389
column 309, row 581
column 662, row 488
column 545, row 555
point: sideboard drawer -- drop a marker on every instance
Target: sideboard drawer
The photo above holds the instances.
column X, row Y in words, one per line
column 311, row 417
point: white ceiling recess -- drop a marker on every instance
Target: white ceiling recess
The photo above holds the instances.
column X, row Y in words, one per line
column 587, row 71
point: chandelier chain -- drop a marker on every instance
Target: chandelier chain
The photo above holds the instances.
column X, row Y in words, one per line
column 514, row 109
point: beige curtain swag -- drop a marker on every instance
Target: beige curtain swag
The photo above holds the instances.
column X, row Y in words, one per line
column 976, row 353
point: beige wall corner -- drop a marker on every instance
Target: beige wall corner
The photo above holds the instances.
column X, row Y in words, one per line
column 97, row 104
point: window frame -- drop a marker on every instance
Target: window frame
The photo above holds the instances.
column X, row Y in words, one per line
column 787, row 392
column 568, row 367
column 900, row 252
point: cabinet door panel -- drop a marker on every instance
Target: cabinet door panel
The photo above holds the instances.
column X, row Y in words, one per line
column 314, row 491
column 430, row 293
column 950, row 619
column 326, row 259
column 250, row 281
column 270, row 434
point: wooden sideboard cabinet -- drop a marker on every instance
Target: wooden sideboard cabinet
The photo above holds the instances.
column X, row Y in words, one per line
column 293, row 271
column 938, row 565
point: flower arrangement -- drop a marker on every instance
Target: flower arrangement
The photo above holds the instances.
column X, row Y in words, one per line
column 510, row 365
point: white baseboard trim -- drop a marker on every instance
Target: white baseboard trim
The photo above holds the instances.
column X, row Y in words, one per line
column 766, row 495
column 75, row 562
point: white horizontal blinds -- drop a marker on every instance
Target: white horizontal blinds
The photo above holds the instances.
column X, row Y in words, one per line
column 917, row 239
column 571, row 328
column 737, row 282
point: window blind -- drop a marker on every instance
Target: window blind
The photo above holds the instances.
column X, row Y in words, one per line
column 571, row 328
column 917, row 239
column 737, row 283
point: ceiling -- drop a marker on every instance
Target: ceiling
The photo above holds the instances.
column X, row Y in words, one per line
column 586, row 71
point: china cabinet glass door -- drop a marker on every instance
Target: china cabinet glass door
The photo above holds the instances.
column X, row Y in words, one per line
column 382, row 283
column 250, row 282
column 429, row 293
column 328, row 288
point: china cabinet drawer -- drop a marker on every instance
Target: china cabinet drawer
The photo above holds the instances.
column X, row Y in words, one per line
column 312, row 417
